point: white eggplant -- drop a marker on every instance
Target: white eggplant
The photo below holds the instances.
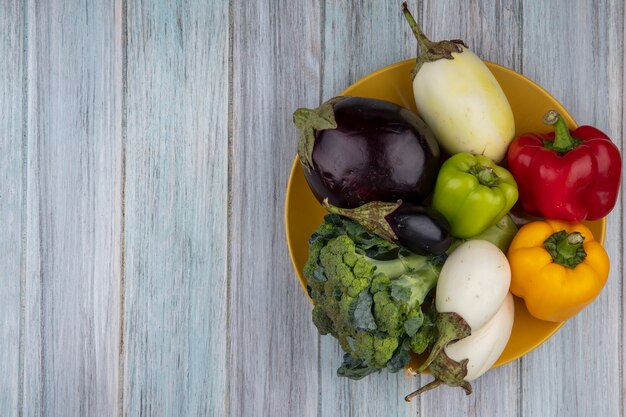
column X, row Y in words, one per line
column 473, row 282
column 472, row 356
column 459, row 98
column 472, row 285
column 484, row 346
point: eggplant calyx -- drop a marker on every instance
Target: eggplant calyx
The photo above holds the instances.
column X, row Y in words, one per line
column 372, row 216
column 451, row 327
column 430, row 51
column 446, row 371
column 310, row 120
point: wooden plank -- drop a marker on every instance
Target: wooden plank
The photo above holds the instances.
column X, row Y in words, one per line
column 493, row 32
column 12, row 102
column 73, row 209
column 276, row 64
column 360, row 37
column 175, row 332
column 618, row 258
column 575, row 50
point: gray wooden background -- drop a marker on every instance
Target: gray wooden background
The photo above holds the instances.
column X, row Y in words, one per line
column 144, row 152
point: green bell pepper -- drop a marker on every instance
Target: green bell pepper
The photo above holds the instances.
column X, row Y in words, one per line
column 473, row 193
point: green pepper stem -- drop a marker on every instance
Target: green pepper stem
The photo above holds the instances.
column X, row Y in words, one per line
column 424, row 42
column 485, row 175
column 566, row 248
column 563, row 140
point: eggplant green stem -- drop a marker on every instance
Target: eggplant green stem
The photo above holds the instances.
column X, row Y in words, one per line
column 424, row 42
column 451, row 327
column 430, row 51
column 566, row 248
column 563, row 140
column 431, row 385
column 446, row 371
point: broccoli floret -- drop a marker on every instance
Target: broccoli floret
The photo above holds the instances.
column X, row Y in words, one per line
column 371, row 306
column 425, row 335
column 388, row 313
column 373, row 349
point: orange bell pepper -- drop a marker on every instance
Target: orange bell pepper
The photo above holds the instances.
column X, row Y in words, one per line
column 557, row 268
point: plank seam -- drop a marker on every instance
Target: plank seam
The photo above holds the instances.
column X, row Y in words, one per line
column 622, row 388
column 320, row 99
column 229, row 204
column 521, row 37
column 122, row 308
column 40, row 213
column 23, row 217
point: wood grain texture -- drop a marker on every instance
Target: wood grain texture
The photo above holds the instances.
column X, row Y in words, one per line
column 144, row 153
column 73, row 210
column 12, row 105
column 493, row 30
column 577, row 58
column 175, row 324
column 274, row 354
column 619, row 251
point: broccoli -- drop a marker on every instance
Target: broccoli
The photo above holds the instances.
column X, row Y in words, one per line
column 368, row 293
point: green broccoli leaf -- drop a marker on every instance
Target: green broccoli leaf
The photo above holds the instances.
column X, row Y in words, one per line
column 399, row 359
column 361, row 311
column 413, row 322
column 322, row 321
column 318, row 275
column 354, row 368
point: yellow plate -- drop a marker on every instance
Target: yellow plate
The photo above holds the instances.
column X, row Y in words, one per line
column 393, row 83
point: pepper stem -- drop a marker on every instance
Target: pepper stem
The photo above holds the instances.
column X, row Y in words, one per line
column 566, row 248
column 563, row 140
column 424, row 42
column 485, row 175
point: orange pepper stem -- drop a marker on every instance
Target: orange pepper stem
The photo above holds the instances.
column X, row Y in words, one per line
column 566, row 248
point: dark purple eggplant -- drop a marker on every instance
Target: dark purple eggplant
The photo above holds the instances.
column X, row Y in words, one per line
column 355, row 150
column 422, row 230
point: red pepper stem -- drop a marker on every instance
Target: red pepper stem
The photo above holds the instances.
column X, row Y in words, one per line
column 563, row 140
column 424, row 42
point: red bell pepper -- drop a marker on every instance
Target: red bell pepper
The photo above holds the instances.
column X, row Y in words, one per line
column 567, row 175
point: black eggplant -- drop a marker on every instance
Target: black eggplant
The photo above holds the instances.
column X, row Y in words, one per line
column 422, row 230
column 355, row 150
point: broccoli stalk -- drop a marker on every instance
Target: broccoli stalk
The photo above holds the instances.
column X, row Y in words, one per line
column 372, row 306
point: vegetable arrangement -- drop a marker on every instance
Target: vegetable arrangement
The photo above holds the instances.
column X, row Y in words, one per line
column 418, row 253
